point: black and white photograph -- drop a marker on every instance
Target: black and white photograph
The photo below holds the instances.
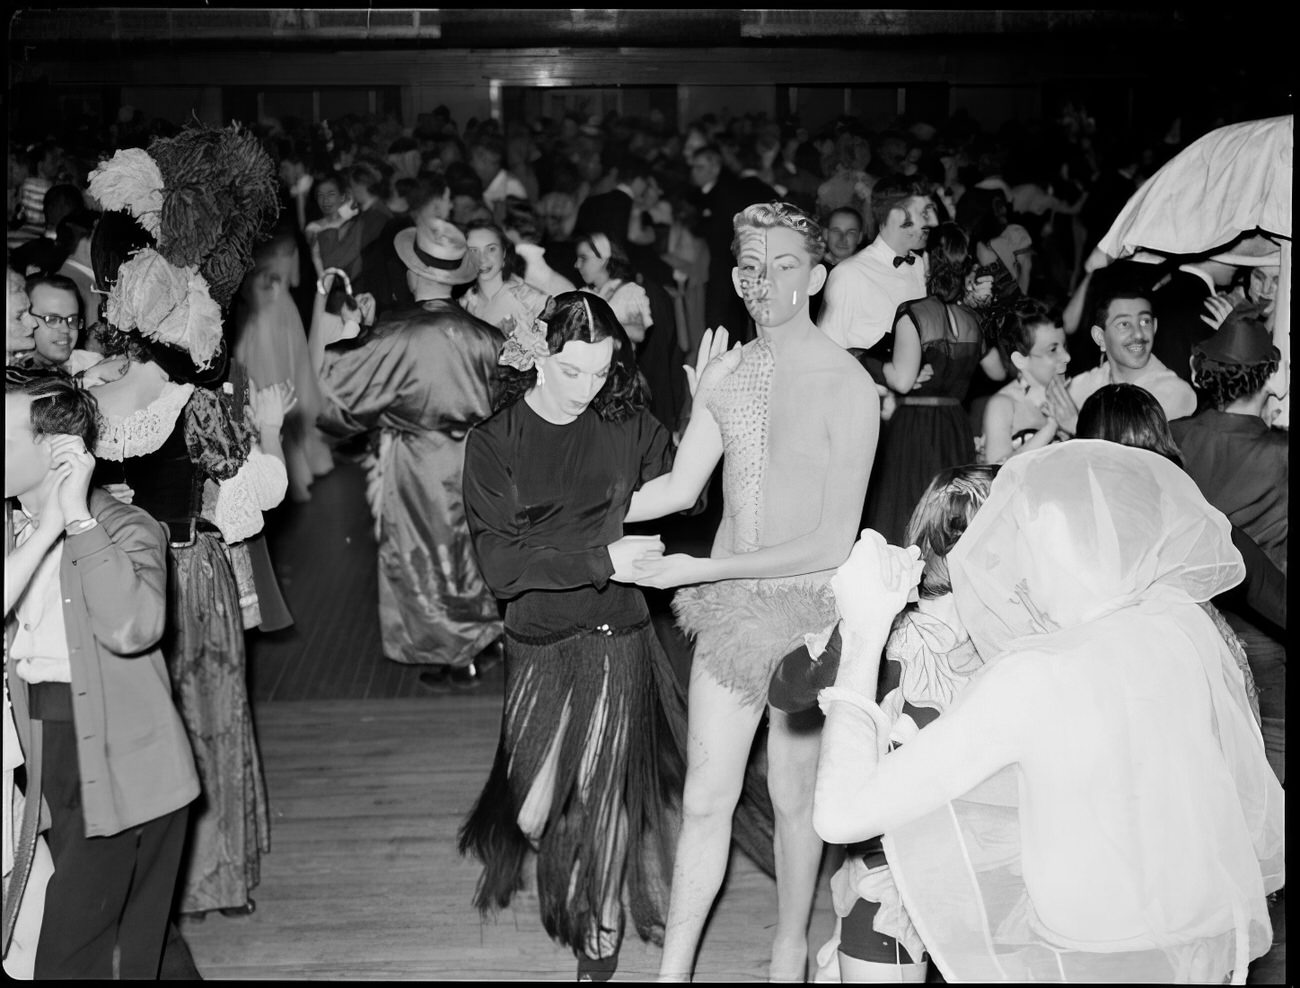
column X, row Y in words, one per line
column 647, row 494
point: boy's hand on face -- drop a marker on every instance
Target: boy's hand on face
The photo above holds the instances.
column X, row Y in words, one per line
column 70, row 456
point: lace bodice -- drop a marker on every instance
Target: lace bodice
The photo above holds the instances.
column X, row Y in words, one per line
column 146, row 429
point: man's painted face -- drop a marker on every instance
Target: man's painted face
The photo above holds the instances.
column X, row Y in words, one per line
column 1128, row 334
column 774, row 274
column 919, row 218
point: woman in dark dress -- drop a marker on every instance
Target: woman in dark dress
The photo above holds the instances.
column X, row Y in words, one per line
column 589, row 767
column 929, row 430
column 169, row 253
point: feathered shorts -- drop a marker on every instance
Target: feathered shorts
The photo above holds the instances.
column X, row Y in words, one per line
column 743, row 628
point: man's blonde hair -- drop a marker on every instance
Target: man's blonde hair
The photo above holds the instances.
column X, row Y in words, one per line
column 771, row 215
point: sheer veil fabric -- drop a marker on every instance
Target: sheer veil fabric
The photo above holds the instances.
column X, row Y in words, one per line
column 1136, row 829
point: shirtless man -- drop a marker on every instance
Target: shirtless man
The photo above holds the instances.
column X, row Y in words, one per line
column 799, row 420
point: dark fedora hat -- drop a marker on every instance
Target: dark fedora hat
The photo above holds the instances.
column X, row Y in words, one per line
column 1242, row 339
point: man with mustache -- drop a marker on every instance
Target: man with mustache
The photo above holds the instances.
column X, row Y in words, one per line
column 1125, row 329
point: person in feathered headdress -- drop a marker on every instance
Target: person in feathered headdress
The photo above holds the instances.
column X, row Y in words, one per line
column 169, row 252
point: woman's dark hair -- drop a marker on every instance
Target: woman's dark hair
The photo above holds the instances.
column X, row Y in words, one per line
column 1222, row 384
column 511, row 264
column 619, row 267
column 586, row 318
column 73, row 228
column 60, row 406
column 329, row 175
column 983, row 213
column 370, row 175
column 950, row 261
column 1129, row 415
column 941, row 516
column 1015, row 332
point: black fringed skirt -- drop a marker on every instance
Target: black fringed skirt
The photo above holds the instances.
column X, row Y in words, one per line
column 608, row 699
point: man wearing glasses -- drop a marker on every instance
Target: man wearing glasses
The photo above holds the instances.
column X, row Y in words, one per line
column 56, row 307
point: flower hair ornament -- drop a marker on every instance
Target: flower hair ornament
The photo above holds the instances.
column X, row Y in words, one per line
column 204, row 197
column 525, row 346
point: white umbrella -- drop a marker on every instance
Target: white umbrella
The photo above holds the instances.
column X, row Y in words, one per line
column 1212, row 198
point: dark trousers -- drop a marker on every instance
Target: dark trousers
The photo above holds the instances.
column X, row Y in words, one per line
column 106, row 891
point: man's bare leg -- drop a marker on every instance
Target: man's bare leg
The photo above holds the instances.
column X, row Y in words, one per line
column 792, row 750
column 720, row 733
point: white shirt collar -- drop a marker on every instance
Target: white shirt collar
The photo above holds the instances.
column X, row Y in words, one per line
column 882, row 250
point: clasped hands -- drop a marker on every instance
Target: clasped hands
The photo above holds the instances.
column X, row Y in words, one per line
column 1060, row 407
column 875, row 583
column 71, row 465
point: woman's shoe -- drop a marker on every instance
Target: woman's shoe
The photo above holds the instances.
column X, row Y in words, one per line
column 247, row 909
column 799, row 677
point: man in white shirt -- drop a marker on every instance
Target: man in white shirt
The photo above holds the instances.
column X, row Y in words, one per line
column 864, row 291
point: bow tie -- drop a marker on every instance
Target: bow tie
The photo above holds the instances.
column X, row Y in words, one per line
column 905, row 259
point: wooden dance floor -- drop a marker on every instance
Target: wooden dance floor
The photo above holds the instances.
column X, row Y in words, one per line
column 370, row 775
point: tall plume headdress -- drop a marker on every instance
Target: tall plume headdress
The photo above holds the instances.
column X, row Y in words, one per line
column 200, row 200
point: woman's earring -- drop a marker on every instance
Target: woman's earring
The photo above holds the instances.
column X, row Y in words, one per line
column 541, row 376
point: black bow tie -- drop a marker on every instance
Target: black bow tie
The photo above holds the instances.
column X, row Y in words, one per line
column 905, row 259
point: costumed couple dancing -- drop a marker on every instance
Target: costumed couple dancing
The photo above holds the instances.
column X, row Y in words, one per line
column 589, row 769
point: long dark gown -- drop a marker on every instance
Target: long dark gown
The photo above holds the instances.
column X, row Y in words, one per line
column 584, row 671
column 930, row 430
column 204, row 649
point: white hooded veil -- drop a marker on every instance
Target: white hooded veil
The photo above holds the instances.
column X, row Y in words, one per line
column 1138, row 833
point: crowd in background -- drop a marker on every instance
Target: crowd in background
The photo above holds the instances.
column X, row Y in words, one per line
column 641, row 214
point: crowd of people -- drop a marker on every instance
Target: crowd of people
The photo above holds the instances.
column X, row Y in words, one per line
column 532, row 336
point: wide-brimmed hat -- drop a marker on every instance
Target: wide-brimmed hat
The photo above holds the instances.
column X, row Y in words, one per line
column 436, row 250
column 1242, row 339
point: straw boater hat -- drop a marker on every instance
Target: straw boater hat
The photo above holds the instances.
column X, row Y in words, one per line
column 436, row 250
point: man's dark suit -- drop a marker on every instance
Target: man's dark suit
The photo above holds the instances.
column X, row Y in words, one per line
column 383, row 274
column 1178, row 301
column 718, row 207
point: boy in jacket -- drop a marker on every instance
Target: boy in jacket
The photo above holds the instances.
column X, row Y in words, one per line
column 90, row 693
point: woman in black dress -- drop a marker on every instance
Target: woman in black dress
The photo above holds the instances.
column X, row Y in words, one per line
column 589, row 766
column 929, row 430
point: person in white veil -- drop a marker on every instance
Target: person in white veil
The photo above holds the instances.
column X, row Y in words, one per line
column 1096, row 805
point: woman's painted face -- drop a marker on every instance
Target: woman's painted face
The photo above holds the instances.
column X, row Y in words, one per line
column 774, row 274
column 328, row 198
column 575, row 375
column 592, row 270
column 487, row 250
column 1049, row 356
